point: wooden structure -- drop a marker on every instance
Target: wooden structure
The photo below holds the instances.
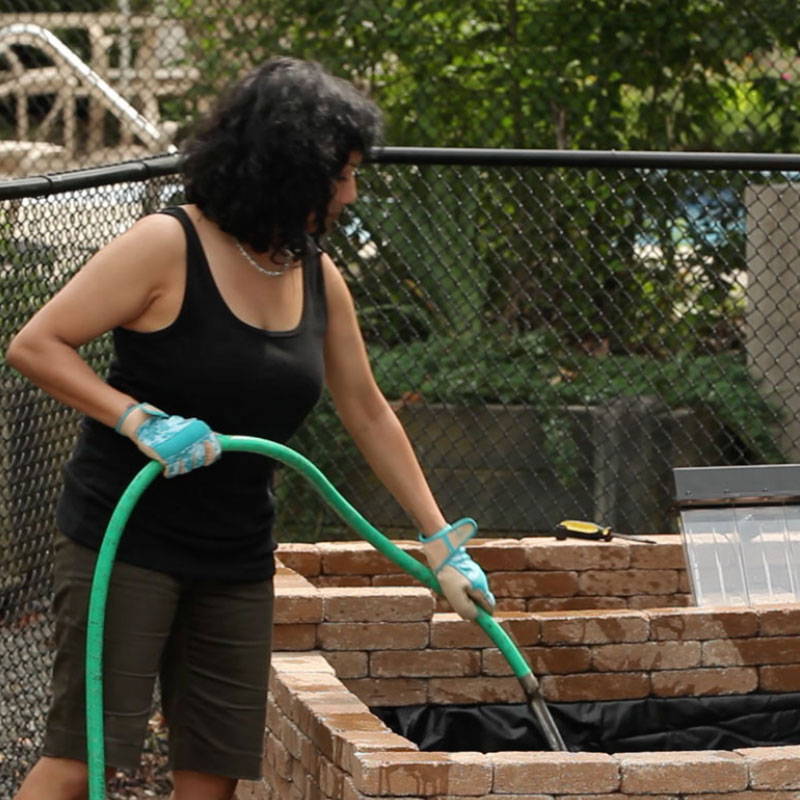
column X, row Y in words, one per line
column 138, row 55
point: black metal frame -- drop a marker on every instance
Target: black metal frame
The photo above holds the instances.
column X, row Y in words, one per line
column 160, row 166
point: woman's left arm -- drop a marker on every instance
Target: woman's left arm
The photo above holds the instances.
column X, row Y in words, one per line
column 365, row 412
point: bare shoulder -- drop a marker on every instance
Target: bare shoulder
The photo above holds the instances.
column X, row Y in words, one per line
column 336, row 288
column 329, row 269
column 151, row 247
column 157, row 231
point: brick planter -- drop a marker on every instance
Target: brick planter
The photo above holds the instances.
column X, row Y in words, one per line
column 346, row 639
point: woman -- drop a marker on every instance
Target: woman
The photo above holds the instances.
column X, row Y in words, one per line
column 226, row 316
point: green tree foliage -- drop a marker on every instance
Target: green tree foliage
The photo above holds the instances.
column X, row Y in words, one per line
column 549, row 250
column 627, row 74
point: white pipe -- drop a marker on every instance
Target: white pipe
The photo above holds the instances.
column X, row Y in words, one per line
column 23, row 33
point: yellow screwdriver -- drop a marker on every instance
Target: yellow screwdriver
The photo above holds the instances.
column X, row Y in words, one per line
column 577, row 529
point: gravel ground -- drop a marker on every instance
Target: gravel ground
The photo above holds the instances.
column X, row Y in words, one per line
column 150, row 780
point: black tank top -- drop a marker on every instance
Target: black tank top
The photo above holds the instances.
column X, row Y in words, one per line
column 216, row 521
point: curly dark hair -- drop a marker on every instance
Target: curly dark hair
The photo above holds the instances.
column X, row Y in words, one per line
column 265, row 160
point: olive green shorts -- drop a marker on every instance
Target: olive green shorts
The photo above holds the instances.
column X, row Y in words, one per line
column 207, row 641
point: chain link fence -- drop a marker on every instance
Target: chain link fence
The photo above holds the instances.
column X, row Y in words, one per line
column 557, row 331
column 98, row 81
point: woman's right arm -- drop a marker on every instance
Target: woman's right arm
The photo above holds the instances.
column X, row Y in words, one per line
column 135, row 281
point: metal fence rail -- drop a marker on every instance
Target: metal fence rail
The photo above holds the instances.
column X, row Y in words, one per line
column 557, row 330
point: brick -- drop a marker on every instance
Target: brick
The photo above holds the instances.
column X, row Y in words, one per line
column 252, row 790
column 746, row 795
column 375, row 604
column 288, row 790
column 303, row 682
column 690, row 772
column 395, row 579
column 274, row 714
column 292, row 739
column 318, row 715
column 779, row 678
column 295, row 605
column 575, row 603
column 325, row 721
column 562, row 773
column 782, row 620
column 282, row 697
column 660, row 601
column 348, row 581
column 475, row 690
column 702, row 623
column 317, row 704
column 594, row 627
column 349, row 792
column 773, row 767
column 534, row 584
column 350, row 743
column 625, row 583
column 278, row 757
column 301, row 662
column 571, row 555
column 449, row 630
column 646, row 656
column 615, row 796
column 543, row 660
column 373, row 635
column 684, row 582
column 523, row 628
column 764, row 650
column 500, row 555
column 302, row 557
column 359, row 558
column 310, row 757
column 698, row 682
column 448, row 774
column 286, row 578
column 348, row 663
column 306, row 703
column 282, row 788
column 294, row 637
column 518, row 604
column 331, row 780
column 299, row 776
column 668, row 553
column 389, row 691
column 326, row 726
column 424, row 663
column 594, row 686
column 517, row 797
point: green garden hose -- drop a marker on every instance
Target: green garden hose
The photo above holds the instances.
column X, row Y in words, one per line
column 293, row 459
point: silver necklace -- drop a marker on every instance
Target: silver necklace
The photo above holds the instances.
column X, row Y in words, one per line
column 273, row 273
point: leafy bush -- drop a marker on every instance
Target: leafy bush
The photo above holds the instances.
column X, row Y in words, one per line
column 530, row 369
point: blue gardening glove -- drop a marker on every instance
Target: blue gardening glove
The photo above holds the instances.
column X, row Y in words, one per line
column 463, row 582
column 180, row 444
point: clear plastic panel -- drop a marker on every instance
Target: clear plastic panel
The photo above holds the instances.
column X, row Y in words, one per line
column 743, row 556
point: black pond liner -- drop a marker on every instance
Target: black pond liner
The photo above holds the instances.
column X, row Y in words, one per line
column 612, row 726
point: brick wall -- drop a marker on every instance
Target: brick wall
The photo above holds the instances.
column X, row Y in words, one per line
column 531, row 574
column 346, row 637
